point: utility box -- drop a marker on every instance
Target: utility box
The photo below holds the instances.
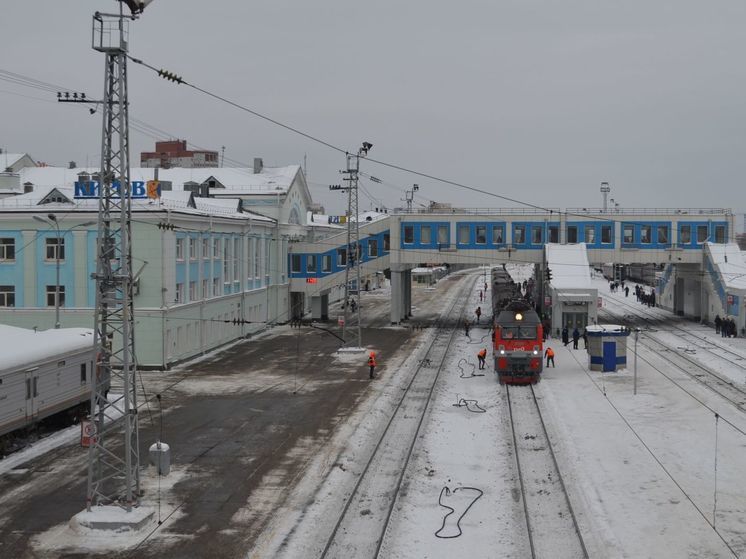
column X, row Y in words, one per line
column 607, row 347
column 160, row 456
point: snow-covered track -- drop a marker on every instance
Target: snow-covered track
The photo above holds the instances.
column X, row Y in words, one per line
column 363, row 521
column 552, row 528
column 696, row 370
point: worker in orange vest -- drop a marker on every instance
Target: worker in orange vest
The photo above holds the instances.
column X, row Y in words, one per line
column 482, row 357
column 372, row 364
column 549, row 354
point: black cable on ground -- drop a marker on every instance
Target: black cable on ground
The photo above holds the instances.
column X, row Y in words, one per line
column 473, row 368
column 448, row 492
column 462, row 402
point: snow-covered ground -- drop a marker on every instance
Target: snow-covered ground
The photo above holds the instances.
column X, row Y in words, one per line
column 648, row 475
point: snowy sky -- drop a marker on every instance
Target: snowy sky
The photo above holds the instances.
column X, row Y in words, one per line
column 538, row 100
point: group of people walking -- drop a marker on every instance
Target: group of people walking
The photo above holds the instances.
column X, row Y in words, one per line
column 726, row 327
column 576, row 335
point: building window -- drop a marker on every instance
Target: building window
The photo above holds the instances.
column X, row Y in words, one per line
column 257, row 255
column 295, row 263
column 326, row 263
column 216, row 287
column 342, row 257
column 55, row 249
column 236, row 259
column 179, row 249
column 408, row 234
column 606, row 234
column 386, row 242
column 192, row 290
column 206, row 247
column 463, row 234
column 179, row 293
column 192, row 248
column 702, row 233
column 481, row 234
column 572, row 234
column 216, row 248
column 553, row 234
column 498, row 235
column 628, row 234
column 50, row 295
column 311, row 263
column 7, row 249
column 426, row 235
column 373, row 248
column 536, row 235
column 205, row 288
column 663, row 234
column 519, row 234
column 590, row 234
column 7, row 296
column 720, row 234
column 443, row 235
column 685, row 236
column 646, row 234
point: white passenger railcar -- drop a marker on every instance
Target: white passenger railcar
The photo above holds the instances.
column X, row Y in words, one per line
column 43, row 373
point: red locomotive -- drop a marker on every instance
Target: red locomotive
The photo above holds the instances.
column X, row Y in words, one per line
column 518, row 348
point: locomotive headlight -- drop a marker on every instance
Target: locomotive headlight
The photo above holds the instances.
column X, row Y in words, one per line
column 501, row 349
column 518, row 316
column 536, row 352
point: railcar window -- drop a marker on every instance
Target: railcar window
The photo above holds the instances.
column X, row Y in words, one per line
column 82, row 373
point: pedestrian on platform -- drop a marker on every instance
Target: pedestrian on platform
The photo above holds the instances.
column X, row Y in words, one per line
column 482, row 358
column 372, row 364
column 575, row 338
column 480, row 295
column 565, row 336
column 626, row 291
column 478, row 312
column 718, row 323
column 549, row 354
column 466, row 328
column 585, row 338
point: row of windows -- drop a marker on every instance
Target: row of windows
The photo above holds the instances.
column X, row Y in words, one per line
column 8, row 295
column 54, row 248
column 340, row 255
column 592, row 234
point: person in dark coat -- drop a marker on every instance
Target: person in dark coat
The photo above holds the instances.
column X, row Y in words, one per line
column 585, row 338
column 626, row 291
column 575, row 338
column 478, row 312
column 718, row 323
column 565, row 336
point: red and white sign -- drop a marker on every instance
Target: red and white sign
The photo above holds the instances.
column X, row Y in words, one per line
column 88, row 433
column 341, row 321
column 730, row 299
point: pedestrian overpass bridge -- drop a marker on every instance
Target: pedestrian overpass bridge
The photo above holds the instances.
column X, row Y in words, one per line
column 404, row 239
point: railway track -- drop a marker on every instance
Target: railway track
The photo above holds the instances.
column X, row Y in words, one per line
column 552, row 528
column 363, row 522
column 723, row 386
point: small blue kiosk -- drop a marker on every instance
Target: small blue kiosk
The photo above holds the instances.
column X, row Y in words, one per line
column 607, row 347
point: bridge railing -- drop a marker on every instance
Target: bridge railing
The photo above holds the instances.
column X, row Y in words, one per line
column 650, row 211
column 477, row 211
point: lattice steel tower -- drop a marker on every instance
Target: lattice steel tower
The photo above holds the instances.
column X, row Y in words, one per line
column 354, row 251
column 113, row 467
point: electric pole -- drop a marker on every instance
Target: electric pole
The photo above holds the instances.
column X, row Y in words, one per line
column 113, row 467
column 409, row 196
column 353, row 233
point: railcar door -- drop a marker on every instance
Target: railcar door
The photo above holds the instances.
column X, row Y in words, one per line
column 32, row 394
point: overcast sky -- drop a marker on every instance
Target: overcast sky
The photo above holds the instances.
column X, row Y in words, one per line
column 538, row 100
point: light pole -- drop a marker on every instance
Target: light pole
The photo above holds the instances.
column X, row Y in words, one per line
column 637, row 337
column 51, row 219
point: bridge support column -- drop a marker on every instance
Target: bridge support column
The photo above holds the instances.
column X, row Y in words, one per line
column 398, row 297
column 407, row 294
column 320, row 307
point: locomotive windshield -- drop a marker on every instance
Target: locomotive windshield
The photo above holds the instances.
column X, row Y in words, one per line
column 518, row 332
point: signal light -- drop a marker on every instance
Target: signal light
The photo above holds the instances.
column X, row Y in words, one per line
column 548, row 274
column 311, row 280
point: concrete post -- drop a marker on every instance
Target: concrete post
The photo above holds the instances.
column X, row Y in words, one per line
column 397, row 296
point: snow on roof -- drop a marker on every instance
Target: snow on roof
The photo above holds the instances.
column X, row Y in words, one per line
column 235, row 179
column 569, row 266
column 729, row 260
column 371, row 216
column 10, row 159
column 22, row 347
